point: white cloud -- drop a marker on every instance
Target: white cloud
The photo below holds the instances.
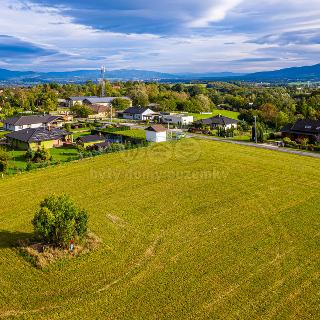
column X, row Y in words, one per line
column 226, row 44
column 216, row 12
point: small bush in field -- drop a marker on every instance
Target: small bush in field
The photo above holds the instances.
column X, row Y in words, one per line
column 59, row 221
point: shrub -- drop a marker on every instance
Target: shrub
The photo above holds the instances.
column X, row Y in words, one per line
column 29, row 154
column 4, row 160
column 41, row 155
column 59, row 221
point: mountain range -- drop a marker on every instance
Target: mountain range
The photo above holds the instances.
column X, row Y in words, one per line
column 305, row 73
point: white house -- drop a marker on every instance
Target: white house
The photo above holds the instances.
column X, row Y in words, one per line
column 138, row 113
column 32, row 122
column 176, row 118
column 156, row 133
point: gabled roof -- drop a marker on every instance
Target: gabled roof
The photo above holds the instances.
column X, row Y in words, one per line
column 308, row 126
column 217, row 120
column 37, row 135
column 81, row 98
column 91, row 138
column 156, row 128
column 98, row 108
column 35, row 119
column 136, row 110
column 93, row 100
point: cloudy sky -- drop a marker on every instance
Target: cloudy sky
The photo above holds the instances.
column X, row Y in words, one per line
column 160, row 35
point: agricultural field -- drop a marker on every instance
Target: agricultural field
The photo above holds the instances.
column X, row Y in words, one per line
column 191, row 230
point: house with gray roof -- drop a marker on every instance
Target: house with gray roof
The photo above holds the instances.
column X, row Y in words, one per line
column 104, row 101
column 71, row 101
column 301, row 129
column 32, row 122
column 35, row 138
column 138, row 113
column 217, row 121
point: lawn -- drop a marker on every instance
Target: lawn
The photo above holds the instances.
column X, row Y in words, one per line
column 133, row 133
column 18, row 159
column 226, row 113
column 191, row 230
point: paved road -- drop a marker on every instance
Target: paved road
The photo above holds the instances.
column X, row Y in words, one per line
column 260, row 146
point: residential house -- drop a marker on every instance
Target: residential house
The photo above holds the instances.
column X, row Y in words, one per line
column 71, row 101
column 138, row 113
column 101, row 111
column 218, row 121
column 35, row 138
column 34, row 121
column 176, row 118
column 104, row 101
column 156, row 133
column 302, row 129
column 90, row 140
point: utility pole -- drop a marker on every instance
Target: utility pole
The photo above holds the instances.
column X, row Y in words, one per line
column 255, row 130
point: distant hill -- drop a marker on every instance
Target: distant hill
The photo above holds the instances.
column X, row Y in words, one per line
column 7, row 74
column 121, row 74
column 307, row 73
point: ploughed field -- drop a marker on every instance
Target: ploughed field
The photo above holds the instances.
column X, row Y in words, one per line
column 190, row 229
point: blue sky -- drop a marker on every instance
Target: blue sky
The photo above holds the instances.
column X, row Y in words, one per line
column 166, row 35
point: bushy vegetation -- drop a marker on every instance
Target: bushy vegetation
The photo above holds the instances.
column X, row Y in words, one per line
column 59, row 221
column 38, row 156
column 4, row 160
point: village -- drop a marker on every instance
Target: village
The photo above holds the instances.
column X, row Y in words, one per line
column 70, row 135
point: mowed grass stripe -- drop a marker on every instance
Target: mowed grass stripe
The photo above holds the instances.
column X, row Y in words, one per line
column 237, row 244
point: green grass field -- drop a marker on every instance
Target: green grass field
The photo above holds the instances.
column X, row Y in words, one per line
column 133, row 133
column 191, row 230
column 226, row 113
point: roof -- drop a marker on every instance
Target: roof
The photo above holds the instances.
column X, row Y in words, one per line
column 102, row 144
column 156, row 128
column 26, row 120
column 37, row 135
column 136, row 110
column 310, row 126
column 103, row 99
column 91, row 138
column 81, row 98
column 217, row 120
column 98, row 108
column 304, row 126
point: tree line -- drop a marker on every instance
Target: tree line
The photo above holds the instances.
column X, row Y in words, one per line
column 274, row 106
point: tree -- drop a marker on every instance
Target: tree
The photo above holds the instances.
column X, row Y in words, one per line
column 269, row 114
column 260, row 133
column 4, row 160
column 121, row 103
column 59, row 221
column 139, row 95
column 81, row 111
